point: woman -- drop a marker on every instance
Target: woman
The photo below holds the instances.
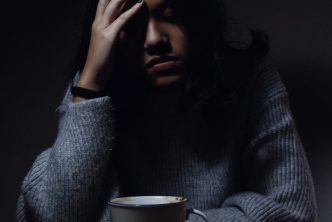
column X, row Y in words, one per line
column 166, row 103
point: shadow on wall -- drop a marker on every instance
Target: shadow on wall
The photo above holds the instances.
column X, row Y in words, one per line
column 310, row 94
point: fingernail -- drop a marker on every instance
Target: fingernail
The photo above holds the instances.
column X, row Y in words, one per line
column 140, row 1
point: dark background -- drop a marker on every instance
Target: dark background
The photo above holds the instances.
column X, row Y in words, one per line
column 38, row 43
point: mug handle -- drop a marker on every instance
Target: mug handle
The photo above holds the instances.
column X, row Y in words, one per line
column 197, row 212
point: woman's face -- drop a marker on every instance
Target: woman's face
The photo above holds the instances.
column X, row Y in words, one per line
column 156, row 44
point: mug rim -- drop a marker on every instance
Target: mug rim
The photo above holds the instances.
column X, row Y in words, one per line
column 126, row 205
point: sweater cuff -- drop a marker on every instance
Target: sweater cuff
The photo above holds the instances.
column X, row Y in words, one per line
column 224, row 214
column 90, row 112
column 96, row 104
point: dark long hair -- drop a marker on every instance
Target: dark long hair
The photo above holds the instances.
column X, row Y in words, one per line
column 223, row 71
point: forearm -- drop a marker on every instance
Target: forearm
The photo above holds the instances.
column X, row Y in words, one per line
column 251, row 206
column 278, row 179
column 68, row 178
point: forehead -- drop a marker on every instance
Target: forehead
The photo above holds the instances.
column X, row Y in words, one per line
column 154, row 4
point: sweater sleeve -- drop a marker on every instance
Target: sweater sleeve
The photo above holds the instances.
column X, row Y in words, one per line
column 279, row 182
column 66, row 181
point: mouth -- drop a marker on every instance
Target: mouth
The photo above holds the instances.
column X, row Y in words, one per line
column 162, row 64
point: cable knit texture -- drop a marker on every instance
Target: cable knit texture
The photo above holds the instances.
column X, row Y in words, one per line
column 258, row 174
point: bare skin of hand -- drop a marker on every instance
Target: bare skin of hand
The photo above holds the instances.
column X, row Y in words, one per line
column 106, row 27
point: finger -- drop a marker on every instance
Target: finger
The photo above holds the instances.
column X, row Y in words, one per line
column 118, row 24
column 112, row 11
column 102, row 4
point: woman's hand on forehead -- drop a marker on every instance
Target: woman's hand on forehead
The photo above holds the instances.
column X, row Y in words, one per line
column 109, row 21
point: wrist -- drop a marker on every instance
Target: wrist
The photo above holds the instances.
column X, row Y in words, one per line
column 85, row 92
column 92, row 80
column 89, row 85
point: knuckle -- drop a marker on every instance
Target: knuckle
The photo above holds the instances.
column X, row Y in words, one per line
column 106, row 36
column 95, row 29
column 95, row 25
column 123, row 17
column 118, row 1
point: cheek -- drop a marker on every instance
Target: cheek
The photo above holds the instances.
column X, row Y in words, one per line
column 179, row 40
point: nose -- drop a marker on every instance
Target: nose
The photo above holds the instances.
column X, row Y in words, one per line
column 155, row 39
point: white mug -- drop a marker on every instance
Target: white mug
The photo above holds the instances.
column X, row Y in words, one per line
column 152, row 209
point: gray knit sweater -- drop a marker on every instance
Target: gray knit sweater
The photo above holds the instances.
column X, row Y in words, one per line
column 258, row 173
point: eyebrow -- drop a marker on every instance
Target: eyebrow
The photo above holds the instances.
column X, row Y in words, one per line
column 164, row 4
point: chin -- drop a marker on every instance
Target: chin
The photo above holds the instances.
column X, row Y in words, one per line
column 167, row 81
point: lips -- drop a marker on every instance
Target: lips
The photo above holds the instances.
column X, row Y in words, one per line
column 162, row 63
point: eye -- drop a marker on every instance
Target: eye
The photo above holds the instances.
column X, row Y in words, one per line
column 168, row 15
column 168, row 12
